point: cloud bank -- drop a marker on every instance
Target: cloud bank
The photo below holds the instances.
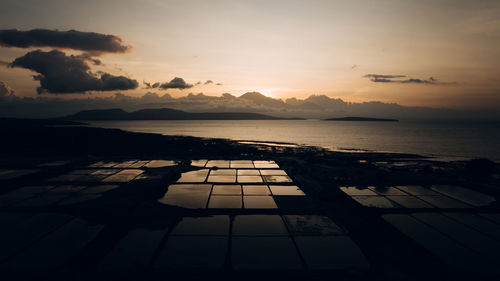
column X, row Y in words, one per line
column 71, row 39
column 384, row 78
column 62, row 74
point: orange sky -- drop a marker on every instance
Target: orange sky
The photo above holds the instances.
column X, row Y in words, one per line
column 287, row 48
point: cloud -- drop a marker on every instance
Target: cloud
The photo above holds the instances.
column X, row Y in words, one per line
column 176, row 83
column 382, row 78
column 5, row 90
column 219, row 84
column 72, row 39
column 208, row 82
column 59, row 73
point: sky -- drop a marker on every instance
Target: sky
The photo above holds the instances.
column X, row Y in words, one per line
column 439, row 53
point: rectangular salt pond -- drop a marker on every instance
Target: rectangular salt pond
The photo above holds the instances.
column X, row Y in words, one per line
column 123, row 176
column 265, row 164
column 250, row 179
column 221, row 179
column 199, row 163
column 160, row 163
column 248, row 164
column 197, row 176
column 217, row 163
column 410, row 202
column 248, row 172
column 277, row 179
column 312, row 225
column 211, row 225
column 193, row 252
column 256, row 190
column 264, row 253
column 375, row 201
column 193, row 196
column 259, row 225
column 259, row 202
column 416, row 190
column 466, row 195
column 353, row 190
column 273, row 172
column 225, row 202
column 444, row 202
column 223, row 172
column 386, row 191
column 330, row 253
column 139, row 164
column 286, row 190
column 226, row 190
column 133, row 251
column 125, row 164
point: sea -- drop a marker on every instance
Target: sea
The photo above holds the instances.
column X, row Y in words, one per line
column 440, row 139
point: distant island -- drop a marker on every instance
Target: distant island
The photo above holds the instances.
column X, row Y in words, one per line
column 361, row 119
column 166, row 114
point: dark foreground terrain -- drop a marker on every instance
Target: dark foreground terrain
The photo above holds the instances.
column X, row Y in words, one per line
column 88, row 203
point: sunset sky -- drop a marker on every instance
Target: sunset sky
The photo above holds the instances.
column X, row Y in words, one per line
column 446, row 52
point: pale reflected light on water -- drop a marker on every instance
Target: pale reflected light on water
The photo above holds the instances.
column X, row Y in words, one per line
column 448, row 139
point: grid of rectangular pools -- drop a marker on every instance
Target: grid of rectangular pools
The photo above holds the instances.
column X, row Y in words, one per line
column 418, row 197
column 257, row 241
column 242, row 242
column 234, row 184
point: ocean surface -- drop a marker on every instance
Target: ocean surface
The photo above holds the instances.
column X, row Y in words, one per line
column 468, row 139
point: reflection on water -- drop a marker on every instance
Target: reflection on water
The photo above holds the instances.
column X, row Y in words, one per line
column 466, row 139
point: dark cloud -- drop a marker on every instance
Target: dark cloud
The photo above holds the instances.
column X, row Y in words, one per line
column 208, row 82
column 59, row 73
column 5, row 90
column 219, row 84
column 382, row 78
column 72, row 39
column 176, row 83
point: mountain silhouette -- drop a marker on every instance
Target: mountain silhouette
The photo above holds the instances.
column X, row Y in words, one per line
column 166, row 114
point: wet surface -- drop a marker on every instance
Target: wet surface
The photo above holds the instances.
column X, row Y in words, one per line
column 233, row 216
column 198, row 176
column 264, row 253
column 256, row 190
column 443, row 246
column 191, row 196
column 466, row 195
column 330, row 253
column 259, row 202
column 193, row 252
column 225, row 202
column 211, row 225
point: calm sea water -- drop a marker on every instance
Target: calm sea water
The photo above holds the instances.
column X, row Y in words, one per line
column 443, row 139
